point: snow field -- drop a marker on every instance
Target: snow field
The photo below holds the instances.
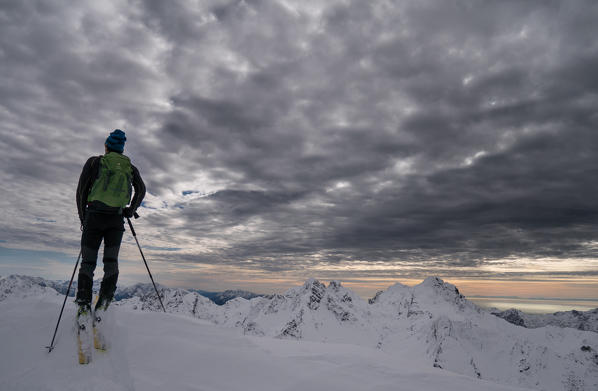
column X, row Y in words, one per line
column 157, row 351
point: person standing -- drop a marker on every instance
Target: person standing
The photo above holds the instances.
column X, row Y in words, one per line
column 103, row 193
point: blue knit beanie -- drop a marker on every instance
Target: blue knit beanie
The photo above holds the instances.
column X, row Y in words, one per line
column 116, row 141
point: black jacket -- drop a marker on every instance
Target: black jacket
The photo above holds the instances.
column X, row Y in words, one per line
column 90, row 173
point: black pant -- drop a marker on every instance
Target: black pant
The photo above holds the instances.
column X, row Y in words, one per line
column 98, row 226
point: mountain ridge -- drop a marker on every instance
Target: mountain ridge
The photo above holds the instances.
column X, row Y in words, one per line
column 432, row 321
column 580, row 320
column 137, row 289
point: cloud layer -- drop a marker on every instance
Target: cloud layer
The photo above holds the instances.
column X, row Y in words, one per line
column 290, row 137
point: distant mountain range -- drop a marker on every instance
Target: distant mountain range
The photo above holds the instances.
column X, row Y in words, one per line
column 138, row 290
column 580, row 320
column 221, row 298
column 431, row 321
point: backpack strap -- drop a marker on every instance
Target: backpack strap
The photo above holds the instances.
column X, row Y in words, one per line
column 95, row 168
column 90, row 173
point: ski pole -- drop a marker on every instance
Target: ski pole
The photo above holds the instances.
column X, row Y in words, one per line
column 144, row 261
column 51, row 347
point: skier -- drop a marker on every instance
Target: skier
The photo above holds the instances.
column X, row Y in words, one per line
column 103, row 193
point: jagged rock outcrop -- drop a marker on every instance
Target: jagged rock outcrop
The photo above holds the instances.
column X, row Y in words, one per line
column 300, row 313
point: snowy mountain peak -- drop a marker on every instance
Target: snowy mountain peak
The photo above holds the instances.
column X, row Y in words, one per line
column 313, row 292
column 394, row 293
column 19, row 286
column 302, row 312
column 444, row 289
column 433, row 291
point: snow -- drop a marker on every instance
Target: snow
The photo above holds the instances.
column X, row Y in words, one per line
column 157, row 351
column 427, row 337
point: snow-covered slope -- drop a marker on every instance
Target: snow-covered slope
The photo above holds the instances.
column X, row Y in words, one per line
column 581, row 320
column 428, row 325
column 431, row 322
column 156, row 351
column 461, row 337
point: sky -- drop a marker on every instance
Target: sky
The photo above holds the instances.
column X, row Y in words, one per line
column 370, row 142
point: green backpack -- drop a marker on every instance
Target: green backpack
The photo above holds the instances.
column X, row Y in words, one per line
column 113, row 185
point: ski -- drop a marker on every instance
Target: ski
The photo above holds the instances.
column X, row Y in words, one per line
column 100, row 324
column 99, row 337
column 84, row 325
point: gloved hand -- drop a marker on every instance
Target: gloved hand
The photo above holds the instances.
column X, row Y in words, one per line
column 128, row 212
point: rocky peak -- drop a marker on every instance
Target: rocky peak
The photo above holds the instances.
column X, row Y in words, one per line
column 436, row 288
column 313, row 291
column 438, row 284
column 376, row 297
column 512, row 316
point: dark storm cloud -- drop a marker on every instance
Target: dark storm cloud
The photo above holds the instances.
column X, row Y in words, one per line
column 522, row 113
column 432, row 133
column 534, row 199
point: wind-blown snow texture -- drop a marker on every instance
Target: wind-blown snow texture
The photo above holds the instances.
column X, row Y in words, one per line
column 410, row 329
